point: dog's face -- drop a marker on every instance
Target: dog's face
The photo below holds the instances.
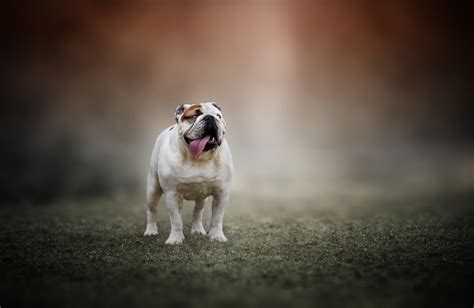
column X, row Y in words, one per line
column 201, row 127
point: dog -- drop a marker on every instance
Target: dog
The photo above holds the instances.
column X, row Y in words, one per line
column 191, row 160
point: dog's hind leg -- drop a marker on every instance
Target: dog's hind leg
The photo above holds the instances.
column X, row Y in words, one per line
column 197, row 227
column 153, row 194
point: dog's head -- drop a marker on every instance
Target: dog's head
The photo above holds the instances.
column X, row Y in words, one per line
column 201, row 127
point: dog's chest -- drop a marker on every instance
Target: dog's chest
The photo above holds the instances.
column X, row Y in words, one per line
column 196, row 190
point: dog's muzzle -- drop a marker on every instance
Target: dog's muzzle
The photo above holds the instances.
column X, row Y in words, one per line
column 208, row 139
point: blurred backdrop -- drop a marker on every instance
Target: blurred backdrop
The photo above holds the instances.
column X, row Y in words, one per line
column 319, row 96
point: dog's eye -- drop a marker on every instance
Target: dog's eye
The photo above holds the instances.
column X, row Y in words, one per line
column 220, row 117
column 193, row 117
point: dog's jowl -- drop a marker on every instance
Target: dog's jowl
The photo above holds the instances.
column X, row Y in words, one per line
column 191, row 161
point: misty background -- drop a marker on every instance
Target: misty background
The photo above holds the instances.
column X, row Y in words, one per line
column 325, row 97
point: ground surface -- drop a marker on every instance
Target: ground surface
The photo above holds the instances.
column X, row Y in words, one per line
column 333, row 251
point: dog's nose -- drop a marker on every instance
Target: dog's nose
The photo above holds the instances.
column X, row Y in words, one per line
column 208, row 118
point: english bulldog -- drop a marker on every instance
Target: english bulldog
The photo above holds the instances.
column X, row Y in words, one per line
column 191, row 160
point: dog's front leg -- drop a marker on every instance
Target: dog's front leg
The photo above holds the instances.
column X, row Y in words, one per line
column 219, row 202
column 174, row 204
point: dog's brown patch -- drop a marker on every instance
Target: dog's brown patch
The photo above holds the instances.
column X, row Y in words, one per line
column 191, row 111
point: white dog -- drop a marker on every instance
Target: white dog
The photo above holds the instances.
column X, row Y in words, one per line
column 191, row 160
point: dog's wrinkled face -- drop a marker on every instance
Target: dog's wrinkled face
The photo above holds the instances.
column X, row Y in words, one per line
column 201, row 127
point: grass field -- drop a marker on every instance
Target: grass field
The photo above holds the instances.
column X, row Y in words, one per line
column 371, row 251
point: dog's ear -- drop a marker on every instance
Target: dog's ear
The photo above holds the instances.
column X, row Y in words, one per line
column 216, row 105
column 179, row 110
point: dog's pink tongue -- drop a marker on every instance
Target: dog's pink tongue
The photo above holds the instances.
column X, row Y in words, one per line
column 197, row 146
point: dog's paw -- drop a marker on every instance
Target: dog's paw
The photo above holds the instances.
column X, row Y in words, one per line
column 198, row 230
column 217, row 235
column 151, row 230
column 175, row 238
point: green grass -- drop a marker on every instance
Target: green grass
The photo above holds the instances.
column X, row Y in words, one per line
column 333, row 251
